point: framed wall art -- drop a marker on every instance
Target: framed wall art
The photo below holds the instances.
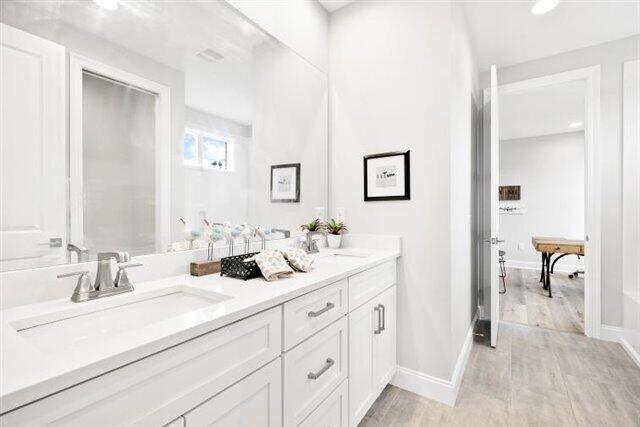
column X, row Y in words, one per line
column 285, row 183
column 387, row 176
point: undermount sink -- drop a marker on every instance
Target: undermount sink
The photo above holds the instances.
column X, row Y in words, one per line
column 88, row 324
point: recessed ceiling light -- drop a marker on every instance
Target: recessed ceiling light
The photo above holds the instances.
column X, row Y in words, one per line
column 542, row 6
column 575, row 124
column 107, row 4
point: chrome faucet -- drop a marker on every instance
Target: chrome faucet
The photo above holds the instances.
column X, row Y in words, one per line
column 104, row 285
column 311, row 246
column 81, row 252
column 104, row 278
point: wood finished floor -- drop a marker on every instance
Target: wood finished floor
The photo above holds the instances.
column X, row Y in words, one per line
column 527, row 303
column 535, row 377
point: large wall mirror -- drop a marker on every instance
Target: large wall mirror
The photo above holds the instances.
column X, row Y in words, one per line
column 127, row 128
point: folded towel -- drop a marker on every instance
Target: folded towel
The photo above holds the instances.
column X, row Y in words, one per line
column 298, row 259
column 272, row 264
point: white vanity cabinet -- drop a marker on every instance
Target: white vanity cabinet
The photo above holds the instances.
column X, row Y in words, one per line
column 372, row 351
column 320, row 359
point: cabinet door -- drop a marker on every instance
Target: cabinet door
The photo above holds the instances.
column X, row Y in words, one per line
column 333, row 411
column 362, row 323
column 384, row 358
column 255, row 401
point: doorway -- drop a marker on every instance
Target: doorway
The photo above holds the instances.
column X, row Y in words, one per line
column 589, row 78
column 541, row 196
column 119, row 128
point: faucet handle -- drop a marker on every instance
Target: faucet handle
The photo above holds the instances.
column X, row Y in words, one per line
column 83, row 286
column 122, row 280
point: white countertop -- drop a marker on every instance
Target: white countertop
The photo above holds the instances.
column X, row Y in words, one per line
column 31, row 370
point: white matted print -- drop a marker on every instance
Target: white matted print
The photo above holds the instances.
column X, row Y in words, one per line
column 386, row 176
column 285, row 183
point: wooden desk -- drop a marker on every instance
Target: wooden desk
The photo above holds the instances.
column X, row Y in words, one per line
column 549, row 246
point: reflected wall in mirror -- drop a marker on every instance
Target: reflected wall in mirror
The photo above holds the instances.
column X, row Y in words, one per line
column 117, row 124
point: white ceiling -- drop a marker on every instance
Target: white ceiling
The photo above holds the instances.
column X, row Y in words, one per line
column 506, row 33
column 332, row 5
column 542, row 111
column 171, row 33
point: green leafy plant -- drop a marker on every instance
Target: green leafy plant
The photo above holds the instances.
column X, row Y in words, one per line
column 335, row 227
column 315, row 225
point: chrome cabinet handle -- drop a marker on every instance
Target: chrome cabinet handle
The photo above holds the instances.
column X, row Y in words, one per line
column 326, row 308
column 378, row 329
column 384, row 316
column 315, row 375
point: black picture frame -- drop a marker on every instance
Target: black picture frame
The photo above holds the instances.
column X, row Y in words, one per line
column 407, row 176
column 297, row 191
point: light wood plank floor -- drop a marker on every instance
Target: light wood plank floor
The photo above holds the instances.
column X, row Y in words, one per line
column 527, row 303
column 536, row 377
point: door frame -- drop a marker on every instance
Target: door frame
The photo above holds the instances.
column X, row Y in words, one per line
column 593, row 181
column 77, row 65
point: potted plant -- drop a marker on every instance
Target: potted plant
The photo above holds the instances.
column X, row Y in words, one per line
column 314, row 226
column 334, row 233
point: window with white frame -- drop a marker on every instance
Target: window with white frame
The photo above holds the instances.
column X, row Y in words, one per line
column 207, row 151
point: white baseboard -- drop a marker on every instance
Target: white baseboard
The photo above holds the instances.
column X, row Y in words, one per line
column 530, row 265
column 620, row 335
column 444, row 391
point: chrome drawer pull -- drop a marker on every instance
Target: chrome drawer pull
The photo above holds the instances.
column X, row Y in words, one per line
column 316, row 375
column 379, row 328
column 328, row 307
column 384, row 317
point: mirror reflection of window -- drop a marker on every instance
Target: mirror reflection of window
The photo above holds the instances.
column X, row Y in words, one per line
column 207, row 151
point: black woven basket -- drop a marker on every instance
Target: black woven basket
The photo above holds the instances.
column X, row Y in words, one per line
column 234, row 266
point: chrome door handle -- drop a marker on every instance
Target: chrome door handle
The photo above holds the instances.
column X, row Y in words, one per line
column 54, row 242
column 384, row 316
column 326, row 308
column 315, row 375
column 377, row 310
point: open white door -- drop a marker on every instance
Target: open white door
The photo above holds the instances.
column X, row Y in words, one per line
column 32, row 144
column 495, row 175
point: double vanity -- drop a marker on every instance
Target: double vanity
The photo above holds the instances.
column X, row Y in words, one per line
column 315, row 349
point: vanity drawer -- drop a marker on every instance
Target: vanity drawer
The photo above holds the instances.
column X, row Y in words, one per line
column 369, row 283
column 309, row 313
column 333, row 412
column 313, row 369
column 159, row 388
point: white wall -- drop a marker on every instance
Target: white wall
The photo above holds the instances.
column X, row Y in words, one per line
column 550, row 172
column 464, row 109
column 631, row 205
column 610, row 56
column 302, row 25
column 289, row 126
column 222, row 195
column 391, row 67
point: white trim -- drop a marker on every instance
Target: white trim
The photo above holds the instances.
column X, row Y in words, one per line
column 620, row 335
column 593, row 220
column 78, row 64
column 530, row 265
column 444, row 391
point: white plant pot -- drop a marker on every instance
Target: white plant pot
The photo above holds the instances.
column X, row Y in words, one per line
column 334, row 240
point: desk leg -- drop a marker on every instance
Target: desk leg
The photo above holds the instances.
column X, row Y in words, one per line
column 548, row 276
column 542, row 268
